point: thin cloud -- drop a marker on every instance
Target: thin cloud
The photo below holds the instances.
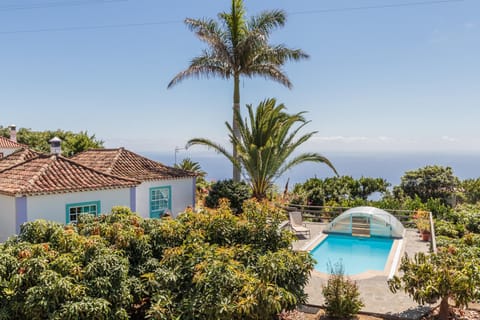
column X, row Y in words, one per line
column 469, row 25
column 384, row 138
column 340, row 138
column 449, row 139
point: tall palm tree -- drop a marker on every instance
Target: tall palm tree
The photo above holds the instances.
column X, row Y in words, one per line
column 237, row 47
column 267, row 139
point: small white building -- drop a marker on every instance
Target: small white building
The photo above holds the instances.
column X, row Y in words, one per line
column 162, row 189
column 37, row 186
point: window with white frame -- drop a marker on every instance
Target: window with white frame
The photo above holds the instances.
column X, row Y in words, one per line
column 160, row 201
column 75, row 209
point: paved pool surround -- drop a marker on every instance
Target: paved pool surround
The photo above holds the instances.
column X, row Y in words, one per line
column 372, row 284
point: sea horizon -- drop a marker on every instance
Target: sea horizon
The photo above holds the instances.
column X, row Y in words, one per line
column 387, row 165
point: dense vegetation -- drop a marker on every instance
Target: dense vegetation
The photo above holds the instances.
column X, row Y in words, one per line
column 208, row 265
column 72, row 143
column 335, row 190
column 235, row 192
column 451, row 274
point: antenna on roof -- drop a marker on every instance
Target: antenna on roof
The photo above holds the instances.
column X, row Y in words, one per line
column 176, row 151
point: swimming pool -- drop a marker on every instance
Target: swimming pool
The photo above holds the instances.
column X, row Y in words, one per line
column 357, row 254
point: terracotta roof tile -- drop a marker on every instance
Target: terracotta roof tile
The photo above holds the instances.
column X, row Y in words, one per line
column 17, row 157
column 46, row 174
column 124, row 163
column 9, row 144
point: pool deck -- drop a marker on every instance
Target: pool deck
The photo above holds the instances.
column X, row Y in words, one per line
column 374, row 292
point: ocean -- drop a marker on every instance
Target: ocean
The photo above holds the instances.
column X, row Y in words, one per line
column 390, row 166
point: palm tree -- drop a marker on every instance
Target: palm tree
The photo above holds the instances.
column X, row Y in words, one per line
column 267, row 140
column 190, row 165
column 237, row 47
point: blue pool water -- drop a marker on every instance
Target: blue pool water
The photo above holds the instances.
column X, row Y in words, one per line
column 356, row 254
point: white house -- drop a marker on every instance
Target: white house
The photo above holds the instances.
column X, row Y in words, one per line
column 162, row 188
column 51, row 187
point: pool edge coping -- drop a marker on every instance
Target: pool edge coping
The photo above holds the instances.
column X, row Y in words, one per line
column 391, row 265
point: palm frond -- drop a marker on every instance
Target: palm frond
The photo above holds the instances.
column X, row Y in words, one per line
column 267, row 21
column 208, row 31
column 207, row 65
column 234, row 22
column 271, row 72
column 212, row 145
column 306, row 157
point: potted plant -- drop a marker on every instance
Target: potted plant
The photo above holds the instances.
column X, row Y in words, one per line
column 422, row 220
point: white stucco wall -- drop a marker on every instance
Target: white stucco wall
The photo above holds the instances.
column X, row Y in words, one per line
column 53, row 207
column 182, row 195
column 7, row 151
column 7, row 217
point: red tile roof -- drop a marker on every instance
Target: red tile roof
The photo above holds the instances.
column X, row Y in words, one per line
column 47, row 174
column 17, row 157
column 124, row 163
column 6, row 143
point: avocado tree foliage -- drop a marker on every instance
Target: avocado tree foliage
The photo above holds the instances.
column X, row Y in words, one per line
column 208, row 265
column 450, row 274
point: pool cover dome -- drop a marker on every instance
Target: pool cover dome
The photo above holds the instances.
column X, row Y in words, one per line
column 366, row 221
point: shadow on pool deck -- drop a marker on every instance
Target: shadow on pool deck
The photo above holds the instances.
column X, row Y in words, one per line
column 376, row 296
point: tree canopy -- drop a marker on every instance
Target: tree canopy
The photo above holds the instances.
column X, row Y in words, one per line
column 434, row 182
column 450, row 274
column 320, row 192
column 72, row 143
column 208, row 265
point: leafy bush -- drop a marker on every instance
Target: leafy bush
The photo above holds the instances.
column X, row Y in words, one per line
column 342, row 297
column 449, row 275
column 435, row 182
column 471, row 190
column 469, row 216
column 447, row 229
column 319, row 192
column 235, row 192
column 208, row 265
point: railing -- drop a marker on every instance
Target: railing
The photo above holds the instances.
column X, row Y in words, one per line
column 327, row 213
column 433, row 241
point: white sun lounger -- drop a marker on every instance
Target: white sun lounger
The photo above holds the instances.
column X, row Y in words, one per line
column 297, row 224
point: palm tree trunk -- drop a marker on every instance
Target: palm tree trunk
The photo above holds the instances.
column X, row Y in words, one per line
column 236, row 131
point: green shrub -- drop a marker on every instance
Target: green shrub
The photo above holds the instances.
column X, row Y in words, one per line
column 471, row 190
column 342, row 297
column 208, row 265
column 319, row 192
column 235, row 192
column 446, row 228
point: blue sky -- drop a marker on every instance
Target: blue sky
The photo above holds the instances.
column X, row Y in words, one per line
column 403, row 78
